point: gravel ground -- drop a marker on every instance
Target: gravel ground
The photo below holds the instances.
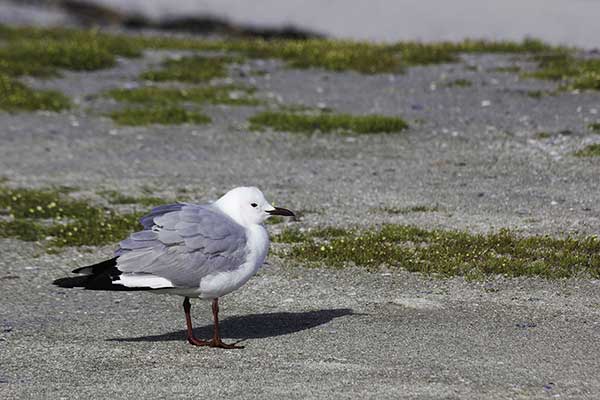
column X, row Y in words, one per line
column 318, row 333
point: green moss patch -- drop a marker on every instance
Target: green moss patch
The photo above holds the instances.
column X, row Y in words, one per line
column 162, row 115
column 97, row 50
column 458, row 83
column 163, row 105
column 45, row 57
column 575, row 73
column 14, row 96
column 369, row 58
column 447, row 253
column 43, row 52
column 592, row 150
column 543, row 135
column 113, row 42
column 46, row 51
column 332, row 55
column 107, row 230
column 415, row 53
column 594, row 127
column 297, row 236
column 343, row 123
column 232, row 95
column 302, row 108
column 275, row 220
column 535, row 94
column 191, row 69
column 59, row 220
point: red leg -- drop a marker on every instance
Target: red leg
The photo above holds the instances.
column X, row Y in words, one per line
column 188, row 320
column 216, row 340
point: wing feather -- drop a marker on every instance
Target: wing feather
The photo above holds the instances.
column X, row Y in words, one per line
column 147, row 221
column 183, row 243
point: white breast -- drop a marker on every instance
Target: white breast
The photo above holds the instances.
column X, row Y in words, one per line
column 222, row 283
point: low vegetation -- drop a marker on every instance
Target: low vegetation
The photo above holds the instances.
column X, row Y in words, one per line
column 160, row 114
column 164, row 105
column 46, row 51
column 371, row 58
column 594, row 127
column 56, row 219
column 458, row 83
column 543, row 135
column 43, row 52
column 15, row 96
column 342, row 123
column 535, row 94
column 364, row 57
column 445, row 253
column 592, row 150
column 196, row 69
column 573, row 72
column 230, row 94
column 302, row 108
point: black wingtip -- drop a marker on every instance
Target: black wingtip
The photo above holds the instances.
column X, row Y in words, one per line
column 99, row 268
column 96, row 277
column 69, row 283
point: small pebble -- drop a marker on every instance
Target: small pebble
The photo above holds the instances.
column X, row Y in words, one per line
column 525, row 325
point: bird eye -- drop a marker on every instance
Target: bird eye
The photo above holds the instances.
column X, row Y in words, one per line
column 254, row 205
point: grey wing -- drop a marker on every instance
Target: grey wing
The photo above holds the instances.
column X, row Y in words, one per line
column 147, row 220
column 183, row 243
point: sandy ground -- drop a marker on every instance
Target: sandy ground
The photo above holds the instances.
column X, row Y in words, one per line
column 318, row 333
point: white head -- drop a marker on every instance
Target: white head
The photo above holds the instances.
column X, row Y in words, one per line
column 248, row 206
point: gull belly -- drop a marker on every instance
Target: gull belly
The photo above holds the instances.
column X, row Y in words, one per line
column 222, row 283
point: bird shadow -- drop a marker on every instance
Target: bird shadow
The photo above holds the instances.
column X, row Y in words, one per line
column 253, row 326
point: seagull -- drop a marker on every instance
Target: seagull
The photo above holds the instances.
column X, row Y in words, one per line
column 191, row 250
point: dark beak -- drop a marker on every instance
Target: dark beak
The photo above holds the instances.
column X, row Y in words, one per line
column 281, row 211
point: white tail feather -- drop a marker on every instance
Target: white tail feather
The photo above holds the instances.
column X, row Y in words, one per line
column 143, row 280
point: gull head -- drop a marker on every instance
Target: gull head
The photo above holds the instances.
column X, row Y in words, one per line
column 247, row 206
